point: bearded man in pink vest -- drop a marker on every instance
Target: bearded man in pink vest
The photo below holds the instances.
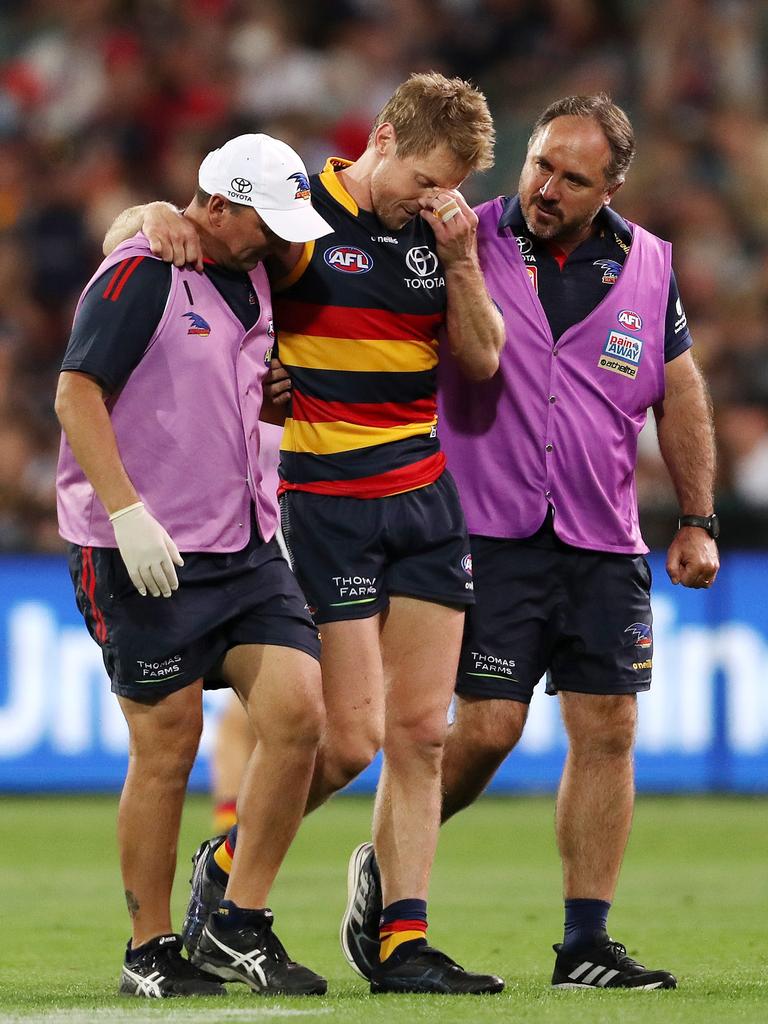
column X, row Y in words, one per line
column 173, row 558
column 544, row 459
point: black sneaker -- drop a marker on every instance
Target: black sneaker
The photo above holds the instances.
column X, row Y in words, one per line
column 160, row 972
column 429, row 970
column 359, row 933
column 206, row 894
column 605, row 965
column 255, row 956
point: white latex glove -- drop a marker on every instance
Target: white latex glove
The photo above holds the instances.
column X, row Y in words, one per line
column 147, row 550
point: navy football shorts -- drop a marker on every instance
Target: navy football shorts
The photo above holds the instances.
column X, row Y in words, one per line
column 582, row 617
column 351, row 554
column 153, row 646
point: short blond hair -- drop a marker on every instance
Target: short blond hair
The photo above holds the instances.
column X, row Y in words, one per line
column 430, row 110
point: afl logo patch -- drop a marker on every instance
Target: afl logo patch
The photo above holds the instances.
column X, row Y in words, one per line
column 630, row 319
column 466, row 564
column 348, row 259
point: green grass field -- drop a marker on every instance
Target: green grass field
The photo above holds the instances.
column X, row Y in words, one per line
column 693, row 899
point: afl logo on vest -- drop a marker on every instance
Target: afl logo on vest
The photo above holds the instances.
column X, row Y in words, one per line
column 631, row 320
column 348, row 259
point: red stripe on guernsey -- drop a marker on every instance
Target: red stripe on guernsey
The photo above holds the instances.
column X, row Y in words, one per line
column 395, row 481
column 342, row 322
column 368, row 414
column 88, row 583
column 120, row 276
column 404, row 926
column 229, row 847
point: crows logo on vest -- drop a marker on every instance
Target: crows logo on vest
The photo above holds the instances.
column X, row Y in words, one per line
column 611, row 270
column 621, row 354
column 198, row 325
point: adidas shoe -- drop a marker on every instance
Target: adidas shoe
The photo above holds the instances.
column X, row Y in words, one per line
column 160, row 972
column 429, row 970
column 359, row 933
column 605, row 965
column 205, row 896
column 255, row 956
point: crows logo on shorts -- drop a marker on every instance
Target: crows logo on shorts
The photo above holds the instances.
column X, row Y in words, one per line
column 642, row 634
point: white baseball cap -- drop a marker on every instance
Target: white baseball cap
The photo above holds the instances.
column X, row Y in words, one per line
column 270, row 177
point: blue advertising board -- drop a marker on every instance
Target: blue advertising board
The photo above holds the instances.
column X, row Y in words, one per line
column 703, row 725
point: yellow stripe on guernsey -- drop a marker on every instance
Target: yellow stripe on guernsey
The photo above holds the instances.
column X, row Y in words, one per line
column 328, row 438
column 372, row 356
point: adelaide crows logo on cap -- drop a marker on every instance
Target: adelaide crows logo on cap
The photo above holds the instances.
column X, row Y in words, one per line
column 198, row 325
column 302, row 185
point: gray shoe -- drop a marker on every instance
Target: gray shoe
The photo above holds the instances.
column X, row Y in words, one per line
column 359, row 933
column 205, row 896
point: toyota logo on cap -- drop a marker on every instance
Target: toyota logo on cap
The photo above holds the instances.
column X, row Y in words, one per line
column 241, row 185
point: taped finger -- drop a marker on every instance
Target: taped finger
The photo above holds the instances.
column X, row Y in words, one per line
column 447, row 211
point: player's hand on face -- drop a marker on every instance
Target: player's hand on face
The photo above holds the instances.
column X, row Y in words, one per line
column 172, row 237
column 454, row 223
column 147, row 550
column 692, row 558
column 277, row 384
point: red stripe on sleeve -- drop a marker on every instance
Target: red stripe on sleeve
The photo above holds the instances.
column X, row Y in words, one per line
column 119, row 285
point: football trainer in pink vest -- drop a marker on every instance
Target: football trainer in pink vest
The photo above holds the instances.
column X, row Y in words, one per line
column 173, row 558
column 544, row 458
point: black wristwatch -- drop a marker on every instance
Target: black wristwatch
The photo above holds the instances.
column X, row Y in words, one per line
column 709, row 523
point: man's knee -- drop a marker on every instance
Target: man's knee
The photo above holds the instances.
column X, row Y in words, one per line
column 488, row 728
column 165, row 736
column 600, row 725
column 346, row 755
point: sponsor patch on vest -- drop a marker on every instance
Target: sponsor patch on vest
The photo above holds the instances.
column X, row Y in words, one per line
column 348, row 259
column 621, row 354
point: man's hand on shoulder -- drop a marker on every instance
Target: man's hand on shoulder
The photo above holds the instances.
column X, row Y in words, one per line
column 170, row 235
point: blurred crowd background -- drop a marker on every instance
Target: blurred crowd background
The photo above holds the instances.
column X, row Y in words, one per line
column 108, row 103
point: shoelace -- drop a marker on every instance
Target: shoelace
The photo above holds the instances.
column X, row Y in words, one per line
column 176, row 964
column 619, row 951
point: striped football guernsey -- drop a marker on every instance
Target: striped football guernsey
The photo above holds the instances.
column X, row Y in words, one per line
column 357, row 324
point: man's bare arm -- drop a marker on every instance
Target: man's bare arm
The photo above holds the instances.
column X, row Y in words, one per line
column 171, row 236
column 474, row 326
column 687, row 443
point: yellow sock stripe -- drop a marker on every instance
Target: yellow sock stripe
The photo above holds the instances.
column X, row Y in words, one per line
column 390, row 941
column 222, row 858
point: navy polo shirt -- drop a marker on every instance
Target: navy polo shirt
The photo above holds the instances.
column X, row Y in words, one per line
column 570, row 287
